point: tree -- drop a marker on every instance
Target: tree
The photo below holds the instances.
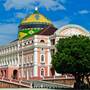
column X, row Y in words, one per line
column 73, row 57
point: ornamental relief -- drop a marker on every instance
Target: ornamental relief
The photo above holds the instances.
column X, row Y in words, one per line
column 72, row 31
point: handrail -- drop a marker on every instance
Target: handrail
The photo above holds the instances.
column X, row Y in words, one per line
column 16, row 82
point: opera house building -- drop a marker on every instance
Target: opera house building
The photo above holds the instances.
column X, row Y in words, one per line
column 30, row 55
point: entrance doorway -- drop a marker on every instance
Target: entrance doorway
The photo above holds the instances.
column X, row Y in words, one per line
column 15, row 74
column 52, row 71
column 1, row 73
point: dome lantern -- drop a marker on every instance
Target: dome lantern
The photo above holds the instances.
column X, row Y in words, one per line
column 36, row 8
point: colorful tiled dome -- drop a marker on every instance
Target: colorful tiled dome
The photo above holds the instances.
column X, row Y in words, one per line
column 32, row 25
column 36, row 17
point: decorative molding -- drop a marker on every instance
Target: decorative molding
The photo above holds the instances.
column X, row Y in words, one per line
column 68, row 30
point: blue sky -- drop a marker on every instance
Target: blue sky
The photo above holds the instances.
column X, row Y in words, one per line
column 60, row 12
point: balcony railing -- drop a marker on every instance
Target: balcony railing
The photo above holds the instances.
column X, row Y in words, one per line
column 26, row 65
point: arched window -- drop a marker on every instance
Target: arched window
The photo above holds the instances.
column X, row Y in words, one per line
column 15, row 74
column 42, row 41
column 52, row 41
column 1, row 73
column 42, row 49
column 42, row 72
column 32, row 41
column 42, row 58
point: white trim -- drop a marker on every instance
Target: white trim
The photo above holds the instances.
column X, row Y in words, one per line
column 57, row 74
column 49, row 42
column 22, row 65
column 35, row 71
column 35, row 56
column 18, row 59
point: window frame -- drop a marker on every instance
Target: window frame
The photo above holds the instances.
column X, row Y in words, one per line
column 41, row 58
column 42, row 69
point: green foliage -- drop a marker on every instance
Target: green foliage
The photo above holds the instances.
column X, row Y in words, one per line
column 73, row 55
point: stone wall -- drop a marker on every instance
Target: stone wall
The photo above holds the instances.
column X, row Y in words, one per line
column 67, row 81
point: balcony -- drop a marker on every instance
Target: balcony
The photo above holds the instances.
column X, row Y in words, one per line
column 42, row 63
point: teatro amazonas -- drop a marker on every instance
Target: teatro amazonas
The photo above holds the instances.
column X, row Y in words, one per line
column 29, row 56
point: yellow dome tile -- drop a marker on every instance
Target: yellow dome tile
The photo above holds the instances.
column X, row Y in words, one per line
column 35, row 18
column 22, row 34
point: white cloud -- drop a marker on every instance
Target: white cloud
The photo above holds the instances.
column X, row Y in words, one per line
column 84, row 12
column 8, row 32
column 51, row 4
column 18, row 4
column 20, row 15
column 30, row 4
column 62, row 22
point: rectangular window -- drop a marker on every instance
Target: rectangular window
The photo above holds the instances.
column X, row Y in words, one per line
column 52, row 41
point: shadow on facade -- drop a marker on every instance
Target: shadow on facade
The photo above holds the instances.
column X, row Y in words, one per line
column 15, row 74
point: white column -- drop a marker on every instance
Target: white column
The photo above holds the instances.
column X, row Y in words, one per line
column 18, row 58
column 15, row 59
column 35, row 70
column 12, row 59
column 22, row 64
column 1, row 62
column 8, row 60
column 4, row 61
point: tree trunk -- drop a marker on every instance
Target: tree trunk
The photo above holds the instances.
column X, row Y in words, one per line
column 79, row 81
column 79, row 78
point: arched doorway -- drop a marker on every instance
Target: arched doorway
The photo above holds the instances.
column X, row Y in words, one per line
column 15, row 74
column 52, row 71
column 1, row 73
column 42, row 72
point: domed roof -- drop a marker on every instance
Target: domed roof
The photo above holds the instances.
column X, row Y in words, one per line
column 71, row 29
column 35, row 24
column 34, row 18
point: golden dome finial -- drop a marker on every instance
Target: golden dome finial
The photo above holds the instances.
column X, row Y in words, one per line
column 36, row 8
